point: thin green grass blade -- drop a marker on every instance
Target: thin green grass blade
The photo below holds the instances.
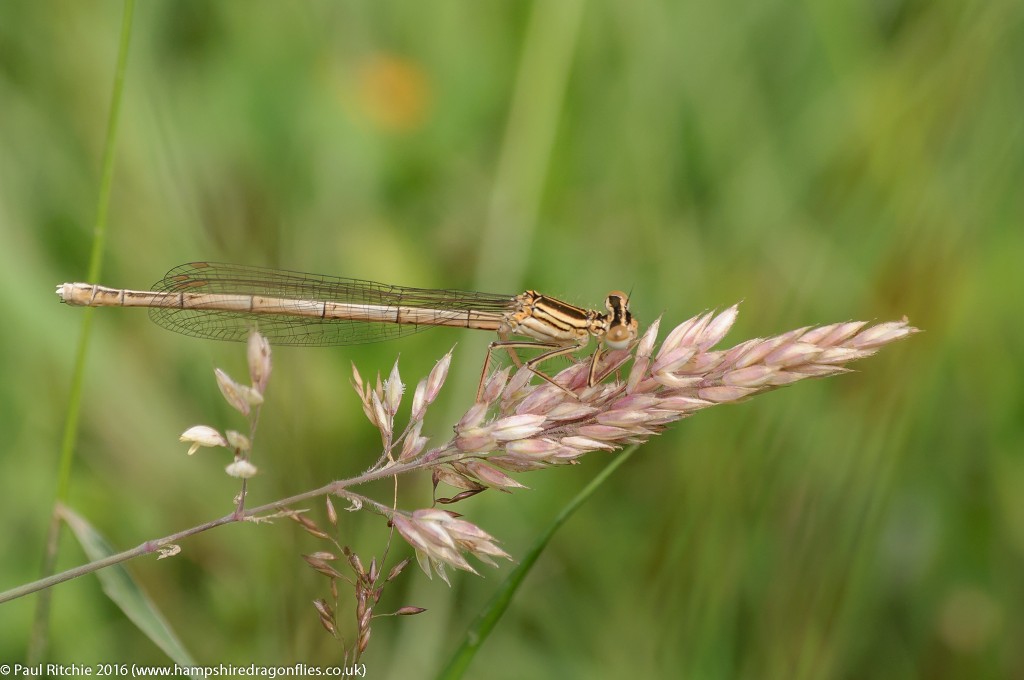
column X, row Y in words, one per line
column 39, row 637
column 488, row 617
column 125, row 592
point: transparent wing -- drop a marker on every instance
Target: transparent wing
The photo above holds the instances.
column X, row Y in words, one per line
column 284, row 329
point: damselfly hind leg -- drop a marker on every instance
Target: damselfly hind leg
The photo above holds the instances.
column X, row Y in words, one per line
column 552, row 352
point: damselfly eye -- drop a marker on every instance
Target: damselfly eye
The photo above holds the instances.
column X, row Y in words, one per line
column 618, row 337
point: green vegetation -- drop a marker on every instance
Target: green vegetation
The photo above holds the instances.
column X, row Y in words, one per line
column 819, row 161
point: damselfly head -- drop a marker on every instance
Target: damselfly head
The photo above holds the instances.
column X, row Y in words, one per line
column 622, row 327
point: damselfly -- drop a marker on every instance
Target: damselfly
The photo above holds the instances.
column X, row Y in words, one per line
column 225, row 301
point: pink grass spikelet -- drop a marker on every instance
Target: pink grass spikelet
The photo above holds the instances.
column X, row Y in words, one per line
column 237, row 395
column 437, row 377
column 475, row 440
column 453, row 477
column 494, row 386
column 241, row 468
column 540, row 399
column 532, row 448
column 393, row 390
column 570, row 410
column 491, row 476
column 413, row 444
column 258, row 355
column 202, row 435
column 584, row 444
column 419, row 401
column 381, row 418
column 516, row 427
column 718, row 327
column 472, row 418
column 238, row 441
column 834, row 334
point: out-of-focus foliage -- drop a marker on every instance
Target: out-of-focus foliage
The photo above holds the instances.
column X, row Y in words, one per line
column 821, row 161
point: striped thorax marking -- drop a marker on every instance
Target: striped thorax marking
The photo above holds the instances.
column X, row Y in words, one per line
column 547, row 319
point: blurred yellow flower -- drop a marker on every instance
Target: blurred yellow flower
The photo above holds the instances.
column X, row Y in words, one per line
column 393, row 92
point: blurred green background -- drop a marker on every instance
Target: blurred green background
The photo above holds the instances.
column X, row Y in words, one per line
column 820, row 161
